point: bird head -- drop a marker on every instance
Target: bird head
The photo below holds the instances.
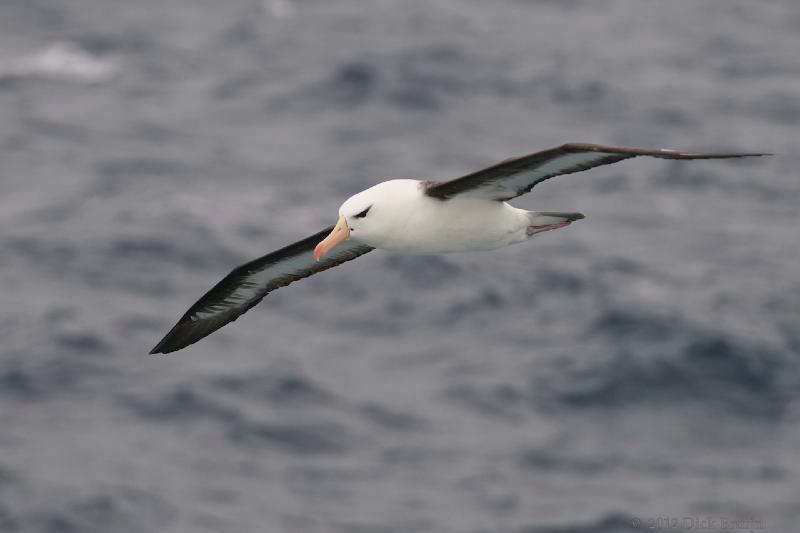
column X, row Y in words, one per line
column 370, row 215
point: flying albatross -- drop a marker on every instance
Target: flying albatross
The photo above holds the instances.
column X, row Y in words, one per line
column 411, row 216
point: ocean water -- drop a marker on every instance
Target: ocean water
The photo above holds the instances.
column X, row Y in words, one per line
column 643, row 363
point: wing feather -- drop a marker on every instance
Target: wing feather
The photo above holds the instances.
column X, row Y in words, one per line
column 517, row 176
column 246, row 285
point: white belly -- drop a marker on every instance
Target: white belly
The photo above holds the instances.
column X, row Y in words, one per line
column 456, row 225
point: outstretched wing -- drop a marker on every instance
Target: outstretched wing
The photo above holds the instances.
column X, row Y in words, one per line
column 514, row 177
column 246, row 285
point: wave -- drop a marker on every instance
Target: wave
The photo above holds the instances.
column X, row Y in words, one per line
column 62, row 60
column 654, row 359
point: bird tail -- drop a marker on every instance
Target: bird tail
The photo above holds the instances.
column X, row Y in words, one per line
column 539, row 222
column 552, row 217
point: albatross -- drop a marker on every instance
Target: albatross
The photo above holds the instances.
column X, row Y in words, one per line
column 411, row 216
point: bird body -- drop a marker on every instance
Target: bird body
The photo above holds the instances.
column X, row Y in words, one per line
column 415, row 223
column 411, row 216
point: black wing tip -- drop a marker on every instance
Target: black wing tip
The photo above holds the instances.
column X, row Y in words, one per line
column 675, row 154
column 178, row 338
column 659, row 152
column 164, row 347
column 161, row 349
column 168, row 345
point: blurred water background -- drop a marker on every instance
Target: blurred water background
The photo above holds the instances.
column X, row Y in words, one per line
column 641, row 363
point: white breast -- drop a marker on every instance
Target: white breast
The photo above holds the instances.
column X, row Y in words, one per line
column 424, row 225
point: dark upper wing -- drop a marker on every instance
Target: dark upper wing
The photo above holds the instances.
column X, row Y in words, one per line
column 513, row 177
column 246, row 285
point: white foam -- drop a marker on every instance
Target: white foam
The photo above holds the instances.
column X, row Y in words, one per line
column 60, row 60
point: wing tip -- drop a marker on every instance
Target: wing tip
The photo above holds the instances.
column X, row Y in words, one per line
column 658, row 152
column 165, row 347
column 162, row 348
column 173, row 341
column 700, row 155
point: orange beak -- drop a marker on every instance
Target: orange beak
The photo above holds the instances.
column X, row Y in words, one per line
column 339, row 234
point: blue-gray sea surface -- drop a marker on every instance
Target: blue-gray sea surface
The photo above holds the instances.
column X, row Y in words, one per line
column 643, row 363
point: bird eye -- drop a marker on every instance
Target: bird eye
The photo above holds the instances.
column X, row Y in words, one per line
column 363, row 213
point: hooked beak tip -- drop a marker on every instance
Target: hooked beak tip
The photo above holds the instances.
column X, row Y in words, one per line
column 339, row 234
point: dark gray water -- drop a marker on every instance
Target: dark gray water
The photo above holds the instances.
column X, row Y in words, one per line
column 644, row 362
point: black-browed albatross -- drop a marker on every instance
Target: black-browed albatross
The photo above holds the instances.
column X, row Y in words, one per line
column 411, row 216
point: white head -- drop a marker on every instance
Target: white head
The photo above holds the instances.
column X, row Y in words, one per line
column 371, row 215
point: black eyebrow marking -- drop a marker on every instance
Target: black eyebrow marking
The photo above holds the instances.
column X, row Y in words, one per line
column 363, row 213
